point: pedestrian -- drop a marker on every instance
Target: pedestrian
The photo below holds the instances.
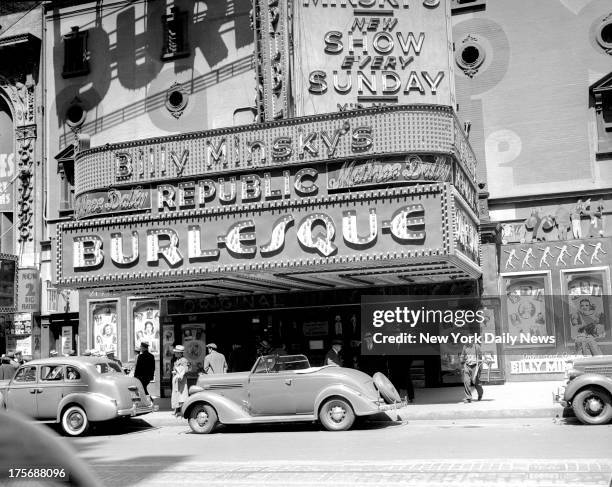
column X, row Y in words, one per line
column 12, row 360
column 52, row 353
column 179, row 380
column 7, row 371
column 371, row 362
column 214, row 362
column 19, row 357
column 110, row 355
column 333, row 356
column 144, row 370
column 471, row 360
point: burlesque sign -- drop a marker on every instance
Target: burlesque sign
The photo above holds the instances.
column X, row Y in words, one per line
column 404, row 223
column 354, row 53
column 112, row 201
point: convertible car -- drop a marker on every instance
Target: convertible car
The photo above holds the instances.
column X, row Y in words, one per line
column 74, row 391
column 286, row 389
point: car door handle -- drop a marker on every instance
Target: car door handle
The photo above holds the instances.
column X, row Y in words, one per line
column 288, row 381
column 33, row 391
column 39, row 391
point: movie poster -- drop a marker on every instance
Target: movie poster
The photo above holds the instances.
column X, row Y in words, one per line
column 146, row 325
column 168, row 344
column 587, row 306
column 526, row 307
column 194, row 341
column 104, row 319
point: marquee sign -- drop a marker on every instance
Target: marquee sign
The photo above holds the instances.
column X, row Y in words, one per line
column 362, row 134
column 402, row 224
column 354, row 53
column 112, row 201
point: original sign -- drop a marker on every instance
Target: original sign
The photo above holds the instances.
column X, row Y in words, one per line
column 112, row 201
column 353, row 54
column 28, row 291
column 403, row 223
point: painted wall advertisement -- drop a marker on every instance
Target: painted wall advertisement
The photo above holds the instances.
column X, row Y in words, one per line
column 28, row 291
column 353, row 54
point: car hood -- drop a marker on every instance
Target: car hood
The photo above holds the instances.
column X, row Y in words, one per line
column 593, row 361
column 223, row 381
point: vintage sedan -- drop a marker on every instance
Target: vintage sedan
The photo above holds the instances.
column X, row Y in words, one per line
column 287, row 389
column 74, row 391
column 588, row 391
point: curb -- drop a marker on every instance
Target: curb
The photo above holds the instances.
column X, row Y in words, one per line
column 165, row 418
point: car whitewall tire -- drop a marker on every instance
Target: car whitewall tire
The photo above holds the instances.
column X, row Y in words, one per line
column 336, row 414
column 202, row 419
column 74, row 421
column 593, row 406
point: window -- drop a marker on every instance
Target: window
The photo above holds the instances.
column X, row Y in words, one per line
column 176, row 44
column 464, row 6
column 75, row 54
column 601, row 97
column 25, row 374
column 52, row 372
column 65, row 168
column 108, row 368
column 72, row 374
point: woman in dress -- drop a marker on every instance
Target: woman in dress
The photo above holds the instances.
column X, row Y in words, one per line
column 179, row 380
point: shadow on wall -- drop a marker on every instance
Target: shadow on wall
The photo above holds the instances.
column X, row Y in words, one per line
column 135, row 59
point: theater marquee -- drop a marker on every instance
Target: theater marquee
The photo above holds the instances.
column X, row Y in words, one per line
column 402, row 225
column 353, row 54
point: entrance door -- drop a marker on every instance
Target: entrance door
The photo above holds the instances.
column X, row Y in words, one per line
column 22, row 391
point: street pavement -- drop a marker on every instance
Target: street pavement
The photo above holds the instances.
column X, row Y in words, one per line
column 524, row 452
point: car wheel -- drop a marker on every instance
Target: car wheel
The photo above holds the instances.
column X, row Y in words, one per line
column 386, row 388
column 74, row 421
column 202, row 419
column 593, row 406
column 336, row 415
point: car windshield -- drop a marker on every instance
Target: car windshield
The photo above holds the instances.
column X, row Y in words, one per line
column 279, row 363
column 108, row 368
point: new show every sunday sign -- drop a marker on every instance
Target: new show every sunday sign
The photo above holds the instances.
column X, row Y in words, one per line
column 355, row 53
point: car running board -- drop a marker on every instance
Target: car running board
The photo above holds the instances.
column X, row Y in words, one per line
column 273, row 419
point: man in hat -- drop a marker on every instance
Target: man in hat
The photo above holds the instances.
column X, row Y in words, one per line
column 7, row 371
column 12, row 361
column 110, row 355
column 52, row 353
column 214, row 362
column 333, row 356
column 19, row 357
column 144, row 370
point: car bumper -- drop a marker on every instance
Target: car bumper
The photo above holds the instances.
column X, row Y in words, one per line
column 135, row 410
column 391, row 407
column 558, row 396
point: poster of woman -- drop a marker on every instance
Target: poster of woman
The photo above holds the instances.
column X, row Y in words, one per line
column 104, row 318
column 168, row 343
column 588, row 323
column 194, row 341
column 526, row 307
column 146, row 325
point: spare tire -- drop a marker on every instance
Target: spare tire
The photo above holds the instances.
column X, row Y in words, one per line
column 386, row 388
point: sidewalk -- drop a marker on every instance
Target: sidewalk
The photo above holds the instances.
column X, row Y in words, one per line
column 510, row 400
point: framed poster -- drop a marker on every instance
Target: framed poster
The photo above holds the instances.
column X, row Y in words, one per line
column 194, row 341
column 103, row 316
column 527, row 308
column 145, row 320
column 587, row 309
column 168, row 345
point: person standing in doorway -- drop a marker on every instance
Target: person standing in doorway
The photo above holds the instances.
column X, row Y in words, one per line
column 7, row 371
column 179, row 380
column 144, row 370
column 333, row 356
column 214, row 362
column 471, row 362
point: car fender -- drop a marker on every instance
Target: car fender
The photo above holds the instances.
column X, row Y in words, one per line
column 227, row 410
column 98, row 407
column 361, row 404
column 586, row 380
